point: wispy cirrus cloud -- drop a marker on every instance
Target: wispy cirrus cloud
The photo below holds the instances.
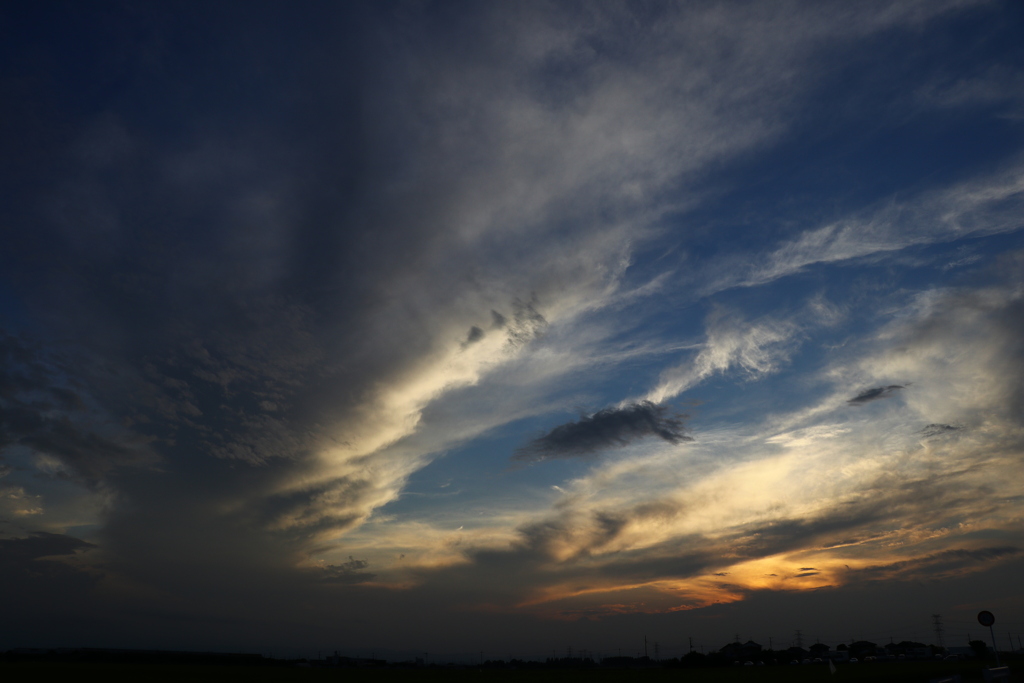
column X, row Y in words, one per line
column 985, row 206
column 756, row 348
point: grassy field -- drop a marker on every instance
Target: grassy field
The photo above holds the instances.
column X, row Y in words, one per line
column 113, row 673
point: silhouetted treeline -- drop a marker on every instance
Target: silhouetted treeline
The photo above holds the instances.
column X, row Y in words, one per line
column 732, row 654
column 91, row 654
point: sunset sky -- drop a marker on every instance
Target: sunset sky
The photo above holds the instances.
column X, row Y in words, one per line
column 469, row 327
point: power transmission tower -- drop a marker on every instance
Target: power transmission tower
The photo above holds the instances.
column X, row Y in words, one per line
column 937, row 621
column 799, row 638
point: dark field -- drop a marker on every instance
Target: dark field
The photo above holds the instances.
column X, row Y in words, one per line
column 111, row 673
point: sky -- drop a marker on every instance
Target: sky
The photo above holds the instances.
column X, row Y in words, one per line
column 502, row 328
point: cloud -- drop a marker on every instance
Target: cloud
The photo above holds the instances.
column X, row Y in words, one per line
column 526, row 324
column 937, row 429
column 978, row 206
column 608, row 428
column 954, row 386
column 945, row 564
column 475, row 334
column 757, row 348
column 16, row 502
column 837, row 492
column 46, row 408
column 995, row 85
column 775, row 508
column 48, row 579
column 272, row 302
column 348, row 572
column 40, row 545
column 875, row 394
column 524, row 169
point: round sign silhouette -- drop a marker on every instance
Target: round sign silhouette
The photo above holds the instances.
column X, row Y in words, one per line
column 986, row 618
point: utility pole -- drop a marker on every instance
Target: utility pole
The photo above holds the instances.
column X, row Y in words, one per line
column 937, row 621
column 691, row 643
column 736, row 637
column 799, row 639
column 645, row 647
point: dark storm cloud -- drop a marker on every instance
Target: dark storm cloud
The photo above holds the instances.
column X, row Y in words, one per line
column 875, row 394
column 250, row 274
column 242, row 269
column 608, row 428
column 231, row 265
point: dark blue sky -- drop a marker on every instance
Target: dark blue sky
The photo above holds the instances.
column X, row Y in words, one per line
column 455, row 327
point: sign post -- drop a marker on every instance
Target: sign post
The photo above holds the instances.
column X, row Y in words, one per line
column 986, row 618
